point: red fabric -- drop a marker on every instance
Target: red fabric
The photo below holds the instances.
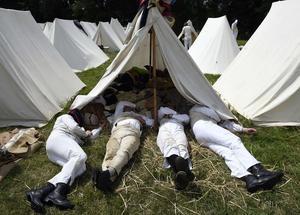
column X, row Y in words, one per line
column 165, row 5
column 141, row 2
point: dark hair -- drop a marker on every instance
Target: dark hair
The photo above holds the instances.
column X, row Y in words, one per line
column 110, row 99
column 75, row 113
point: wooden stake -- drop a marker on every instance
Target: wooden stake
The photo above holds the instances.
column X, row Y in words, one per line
column 154, row 79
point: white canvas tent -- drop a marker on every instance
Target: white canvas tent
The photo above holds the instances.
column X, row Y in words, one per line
column 89, row 28
column 47, row 28
column 118, row 28
column 215, row 47
column 35, row 80
column 185, row 74
column 127, row 29
column 77, row 49
column 42, row 25
column 263, row 82
column 106, row 36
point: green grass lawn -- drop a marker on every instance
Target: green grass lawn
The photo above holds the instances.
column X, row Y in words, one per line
column 146, row 188
column 241, row 42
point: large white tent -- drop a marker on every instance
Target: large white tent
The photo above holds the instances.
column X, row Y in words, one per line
column 47, row 28
column 118, row 28
column 42, row 25
column 106, row 36
column 185, row 74
column 127, row 29
column 215, row 47
column 89, row 28
column 35, row 80
column 77, row 49
column 263, row 82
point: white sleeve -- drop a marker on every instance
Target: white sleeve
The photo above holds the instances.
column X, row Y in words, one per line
column 232, row 126
column 95, row 133
column 74, row 127
column 164, row 111
column 149, row 122
column 184, row 118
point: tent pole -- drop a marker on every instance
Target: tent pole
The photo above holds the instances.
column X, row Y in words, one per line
column 153, row 40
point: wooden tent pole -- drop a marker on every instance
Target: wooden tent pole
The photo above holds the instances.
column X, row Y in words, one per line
column 154, row 79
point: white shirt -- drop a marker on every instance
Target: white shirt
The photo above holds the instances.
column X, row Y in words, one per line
column 175, row 117
column 119, row 112
column 187, row 30
column 65, row 124
column 234, row 28
column 212, row 114
column 234, row 25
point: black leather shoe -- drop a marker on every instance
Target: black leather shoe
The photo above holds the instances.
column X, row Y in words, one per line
column 58, row 197
column 190, row 175
column 252, row 183
column 101, row 179
column 36, row 197
column 181, row 180
column 271, row 177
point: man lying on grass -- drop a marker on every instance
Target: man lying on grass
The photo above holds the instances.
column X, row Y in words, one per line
column 213, row 132
column 123, row 142
column 173, row 143
column 63, row 148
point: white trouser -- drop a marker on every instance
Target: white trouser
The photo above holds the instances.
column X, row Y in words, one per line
column 66, row 152
column 225, row 144
column 187, row 43
column 122, row 144
column 172, row 140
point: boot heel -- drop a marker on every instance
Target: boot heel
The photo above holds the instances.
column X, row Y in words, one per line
column 48, row 201
column 28, row 196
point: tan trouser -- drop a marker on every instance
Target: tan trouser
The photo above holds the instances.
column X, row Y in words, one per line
column 122, row 144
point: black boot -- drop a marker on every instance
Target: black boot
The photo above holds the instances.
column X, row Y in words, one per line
column 36, row 197
column 272, row 178
column 58, row 197
column 252, row 183
column 183, row 174
column 183, row 165
column 101, row 179
column 181, row 180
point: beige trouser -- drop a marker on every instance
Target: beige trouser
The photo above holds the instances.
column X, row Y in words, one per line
column 122, row 144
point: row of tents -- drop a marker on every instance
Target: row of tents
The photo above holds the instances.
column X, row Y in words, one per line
column 261, row 83
column 37, row 72
column 80, row 47
column 213, row 50
column 111, row 35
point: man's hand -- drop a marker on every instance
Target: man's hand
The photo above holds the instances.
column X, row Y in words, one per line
column 249, row 130
column 169, row 116
column 88, row 133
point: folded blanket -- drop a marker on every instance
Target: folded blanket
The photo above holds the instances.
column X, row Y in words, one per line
column 15, row 145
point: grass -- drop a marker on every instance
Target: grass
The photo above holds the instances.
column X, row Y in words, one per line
column 242, row 42
column 146, row 188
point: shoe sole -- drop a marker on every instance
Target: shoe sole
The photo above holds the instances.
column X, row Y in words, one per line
column 103, row 184
column 33, row 206
column 48, row 201
column 267, row 185
column 181, row 180
column 51, row 203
